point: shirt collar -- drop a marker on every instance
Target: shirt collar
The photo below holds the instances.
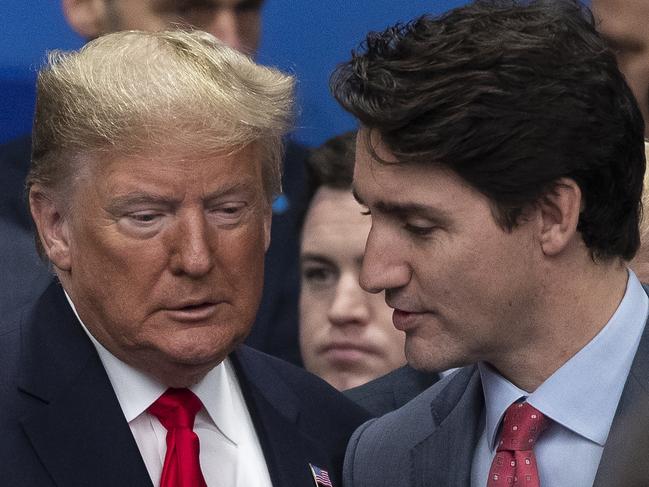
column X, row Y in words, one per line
column 582, row 395
column 136, row 391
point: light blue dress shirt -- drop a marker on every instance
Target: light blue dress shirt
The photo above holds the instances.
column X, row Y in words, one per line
column 580, row 397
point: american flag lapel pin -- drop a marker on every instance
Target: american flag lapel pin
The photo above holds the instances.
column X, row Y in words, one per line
column 320, row 476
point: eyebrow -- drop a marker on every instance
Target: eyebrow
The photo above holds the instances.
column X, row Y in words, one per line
column 624, row 42
column 403, row 208
column 147, row 197
column 315, row 257
column 321, row 259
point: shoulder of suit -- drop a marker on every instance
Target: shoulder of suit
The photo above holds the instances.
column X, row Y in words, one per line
column 309, row 389
column 414, row 420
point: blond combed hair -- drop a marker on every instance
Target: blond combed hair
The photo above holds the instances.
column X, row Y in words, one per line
column 131, row 92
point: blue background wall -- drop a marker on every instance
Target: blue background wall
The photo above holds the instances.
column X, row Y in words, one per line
column 305, row 37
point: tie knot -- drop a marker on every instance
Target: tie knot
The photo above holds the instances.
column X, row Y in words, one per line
column 176, row 408
column 522, row 426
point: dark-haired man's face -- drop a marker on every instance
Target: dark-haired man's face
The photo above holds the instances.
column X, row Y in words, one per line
column 235, row 22
column 624, row 25
column 462, row 288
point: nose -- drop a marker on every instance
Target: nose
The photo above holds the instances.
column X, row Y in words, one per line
column 383, row 265
column 193, row 254
column 224, row 25
column 349, row 305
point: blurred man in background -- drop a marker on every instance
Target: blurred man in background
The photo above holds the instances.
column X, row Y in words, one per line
column 235, row 22
column 346, row 333
column 623, row 23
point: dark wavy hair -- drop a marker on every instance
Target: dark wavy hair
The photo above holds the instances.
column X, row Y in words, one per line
column 511, row 96
column 330, row 165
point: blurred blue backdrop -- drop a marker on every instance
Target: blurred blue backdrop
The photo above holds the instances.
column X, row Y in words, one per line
column 305, row 37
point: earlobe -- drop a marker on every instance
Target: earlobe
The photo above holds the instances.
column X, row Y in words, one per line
column 559, row 212
column 52, row 228
column 87, row 17
column 268, row 219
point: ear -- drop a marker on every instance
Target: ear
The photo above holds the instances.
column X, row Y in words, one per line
column 268, row 220
column 87, row 17
column 559, row 211
column 52, row 227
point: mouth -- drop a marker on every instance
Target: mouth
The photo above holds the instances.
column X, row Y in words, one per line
column 192, row 312
column 346, row 353
column 403, row 320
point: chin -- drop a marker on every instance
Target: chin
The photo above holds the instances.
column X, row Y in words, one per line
column 196, row 353
column 427, row 360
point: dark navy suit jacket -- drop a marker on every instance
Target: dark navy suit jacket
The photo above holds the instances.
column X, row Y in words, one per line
column 61, row 424
column 23, row 277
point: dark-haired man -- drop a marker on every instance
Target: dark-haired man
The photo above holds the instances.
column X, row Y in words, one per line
column 238, row 24
column 501, row 158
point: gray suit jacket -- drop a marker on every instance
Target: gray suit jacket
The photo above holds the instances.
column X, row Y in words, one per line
column 430, row 441
column 392, row 390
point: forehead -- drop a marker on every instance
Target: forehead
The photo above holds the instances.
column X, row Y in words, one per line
column 334, row 224
column 333, row 207
column 173, row 167
column 388, row 179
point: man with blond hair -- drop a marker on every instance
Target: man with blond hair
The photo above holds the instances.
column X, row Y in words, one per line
column 155, row 161
column 237, row 23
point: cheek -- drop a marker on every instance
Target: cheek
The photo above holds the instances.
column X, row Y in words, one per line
column 314, row 325
column 313, row 314
column 241, row 252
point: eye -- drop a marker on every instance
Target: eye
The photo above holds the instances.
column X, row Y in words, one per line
column 318, row 276
column 144, row 217
column 229, row 212
column 143, row 223
column 419, row 228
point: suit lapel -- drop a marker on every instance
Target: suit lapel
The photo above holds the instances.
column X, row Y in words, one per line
column 275, row 411
column 76, row 425
column 624, row 460
column 445, row 456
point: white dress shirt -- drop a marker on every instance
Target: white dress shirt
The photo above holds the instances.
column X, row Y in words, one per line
column 580, row 398
column 230, row 453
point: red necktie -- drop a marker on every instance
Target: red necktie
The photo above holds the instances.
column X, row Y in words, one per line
column 514, row 463
column 176, row 410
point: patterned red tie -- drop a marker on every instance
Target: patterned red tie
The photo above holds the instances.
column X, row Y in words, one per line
column 514, row 463
column 176, row 410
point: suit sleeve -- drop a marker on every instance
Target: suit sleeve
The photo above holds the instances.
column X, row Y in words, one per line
column 349, row 466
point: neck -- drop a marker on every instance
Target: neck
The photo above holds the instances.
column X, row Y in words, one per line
column 575, row 304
